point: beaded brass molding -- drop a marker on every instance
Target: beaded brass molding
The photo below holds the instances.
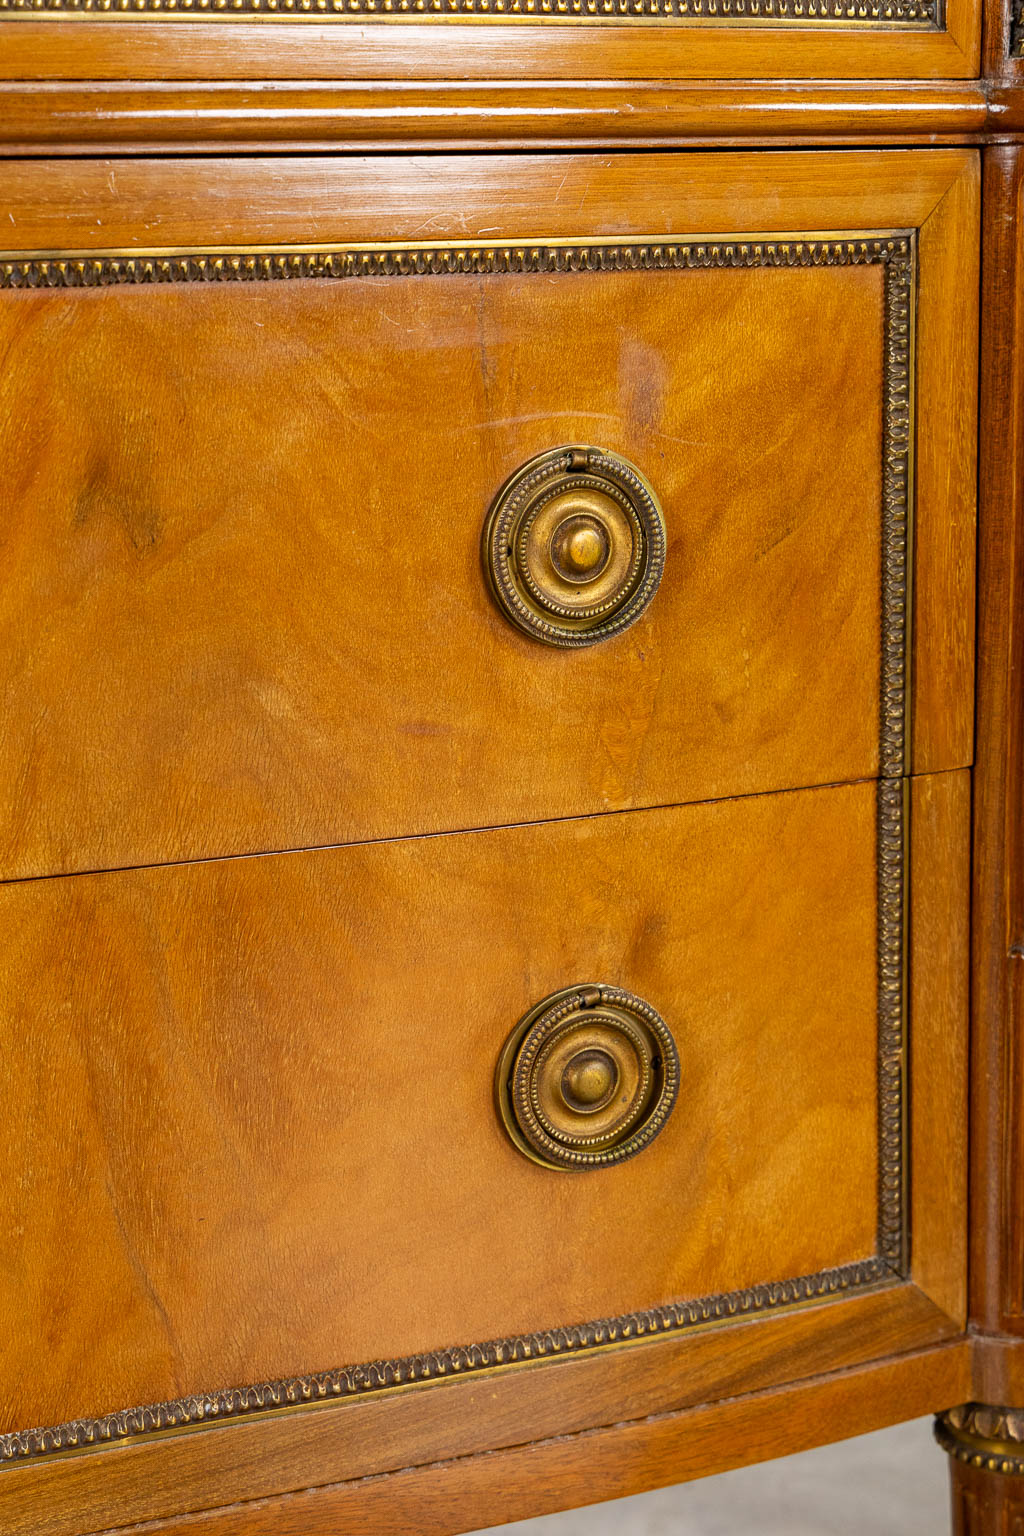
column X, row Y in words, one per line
column 110, row 269
column 893, row 1237
column 896, row 254
column 859, row 14
column 991, row 1439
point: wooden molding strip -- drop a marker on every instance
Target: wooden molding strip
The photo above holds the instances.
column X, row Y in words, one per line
column 442, row 1496
column 216, row 117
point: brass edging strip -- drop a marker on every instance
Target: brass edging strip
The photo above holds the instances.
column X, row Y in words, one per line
column 893, row 849
column 111, row 269
column 834, row 15
column 897, row 475
column 894, row 757
column 896, row 252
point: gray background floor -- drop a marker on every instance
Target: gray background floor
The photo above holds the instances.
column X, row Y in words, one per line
column 893, row 1483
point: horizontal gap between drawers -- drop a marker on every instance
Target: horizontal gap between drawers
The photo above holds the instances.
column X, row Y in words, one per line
column 501, row 826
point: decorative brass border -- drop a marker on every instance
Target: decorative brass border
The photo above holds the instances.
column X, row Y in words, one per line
column 893, row 1237
column 911, row 15
column 897, row 254
column 897, row 474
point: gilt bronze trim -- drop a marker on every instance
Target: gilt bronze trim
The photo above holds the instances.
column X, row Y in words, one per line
column 897, row 498
column 991, row 1439
column 858, row 15
column 112, row 269
column 896, row 254
column 893, row 828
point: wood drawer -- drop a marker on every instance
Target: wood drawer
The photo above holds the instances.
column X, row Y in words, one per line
column 241, row 598
column 255, row 1096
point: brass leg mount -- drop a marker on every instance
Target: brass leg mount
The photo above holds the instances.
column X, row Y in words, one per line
column 991, row 1439
column 986, row 1447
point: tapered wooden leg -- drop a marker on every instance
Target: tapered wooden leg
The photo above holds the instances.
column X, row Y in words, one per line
column 986, row 1450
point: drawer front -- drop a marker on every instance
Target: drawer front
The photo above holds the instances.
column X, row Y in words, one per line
column 256, row 1097
column 242, row 596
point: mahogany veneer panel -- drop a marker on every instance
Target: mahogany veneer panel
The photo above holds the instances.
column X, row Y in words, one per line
column 243, row 604
column 256, row 1096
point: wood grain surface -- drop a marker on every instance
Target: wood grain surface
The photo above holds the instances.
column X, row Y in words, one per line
column 256, row 1095
column 940, row 854
column 606, row 1463
column 267, row 627
column 997, row 1152
column 184, row 1084
column 985, row 1503
column 230, row 116
column 946, row 480
column 268, row 49
column 136, row 204
column 263, row 1455
column 247, row 1114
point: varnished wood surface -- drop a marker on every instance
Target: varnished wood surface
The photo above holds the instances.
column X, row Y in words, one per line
column 946, row 481
column 138, row 204
column 608, row 1463
column 998, row 1366
column 238, row 116
column 272, row 628
column 1000, row 59
column 997, row 1301
column 292, row 576
column 1006, row 104
column 191, row 1013
column 269, row 1454
column 940, row 844
column 288, row 1062
column 265, row 49
column 985, row 1503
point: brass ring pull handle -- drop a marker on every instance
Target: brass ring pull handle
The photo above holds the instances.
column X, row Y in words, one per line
column 574, row 546
column 587, row 1078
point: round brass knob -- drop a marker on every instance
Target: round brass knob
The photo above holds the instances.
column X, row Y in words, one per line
column 574, row 546
column 587, row 1078
column 579, row 548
